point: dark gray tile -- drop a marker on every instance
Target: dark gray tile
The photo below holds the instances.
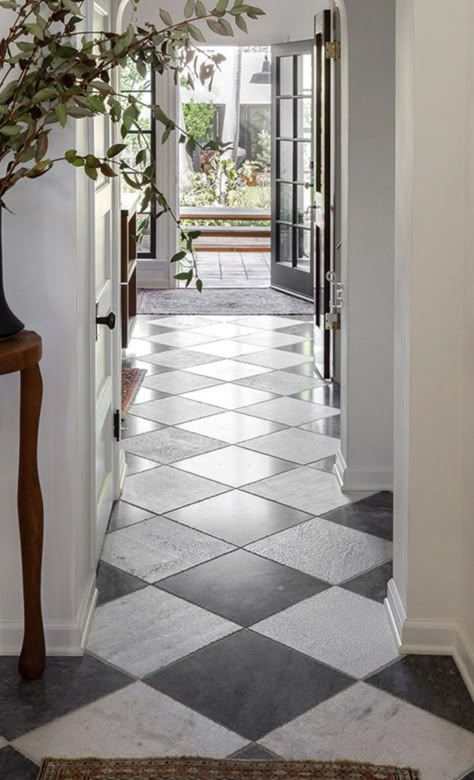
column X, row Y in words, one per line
column 249, row 684
column 254, row 752
column 114, row 583
column 243, row 587
column 305, row 369
column 135, row 464
column 239, row 518
column 327, row 396
column 327, row 464
column 432, row 683
column 134, row 426
column 67, row 684
column 470, row 776
column 373, row 584
column 305, row 329
column 303, row 348
column 373, row 515
column 14, row 766
column 124, row 514
column 328, row 426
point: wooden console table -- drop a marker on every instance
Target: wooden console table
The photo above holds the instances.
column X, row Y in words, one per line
column 22, row 354
column 128, row 263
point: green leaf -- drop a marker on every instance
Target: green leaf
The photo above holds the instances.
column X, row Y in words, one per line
column 178, row 256
column 92, row 173
column 61, row 114
column 107, row 171
column 114, row 150
column 10, row 130
column 199, row 285
column 189, row 8
column 241, row 24
column 201, row 9
column 185, row 276
column 35, row 29
column 41, row 146
column 166, row 17
column 70, row 155
column 47, row 93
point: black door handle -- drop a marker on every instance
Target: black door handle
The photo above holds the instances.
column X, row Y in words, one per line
column 110, row 320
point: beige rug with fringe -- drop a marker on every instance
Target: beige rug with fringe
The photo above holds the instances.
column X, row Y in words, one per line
column 208, row 769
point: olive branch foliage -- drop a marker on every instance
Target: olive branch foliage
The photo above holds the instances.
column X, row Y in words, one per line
column 53, row 71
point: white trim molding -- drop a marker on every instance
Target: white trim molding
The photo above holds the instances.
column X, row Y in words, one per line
column 67, row 638
column 370, row 480
column 153, row 274
column 429, row 637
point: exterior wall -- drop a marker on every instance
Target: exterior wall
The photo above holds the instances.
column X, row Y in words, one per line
column 47, row 277
column 430, row 599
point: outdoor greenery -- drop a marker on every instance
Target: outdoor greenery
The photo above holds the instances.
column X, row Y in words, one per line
column 199, row 119
column 53, row 71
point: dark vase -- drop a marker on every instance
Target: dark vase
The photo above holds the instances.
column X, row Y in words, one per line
column 9, row 324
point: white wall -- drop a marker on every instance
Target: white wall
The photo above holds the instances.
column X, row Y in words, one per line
column 46, row 273
column 365, row 461
column 431, row 597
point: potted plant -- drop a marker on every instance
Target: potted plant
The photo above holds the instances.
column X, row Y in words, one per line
column 53, row 72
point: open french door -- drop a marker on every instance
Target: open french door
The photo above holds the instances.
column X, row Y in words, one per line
column 292, row 268
column 326, row 286
column 104, row 219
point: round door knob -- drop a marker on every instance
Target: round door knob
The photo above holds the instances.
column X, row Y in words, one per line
column 110, row 320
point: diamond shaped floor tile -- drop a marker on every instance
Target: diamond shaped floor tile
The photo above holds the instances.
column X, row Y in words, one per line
column 288, row 411
column 228, row 370
column 233, row 682
column 226, row 348
column 282, row 382
column 180, row 359
column 173, row 410
column 329, row 426
column 234, row 466
column 137, row 722
column 341, row 629
column 432, row 683
column 330, row 552
column 274, row 358
column 166, row 488
column 366, row 725
column 270, row 339
column 229, row 396
column 135, row 464
column 254, row 752
column 158, row 548
column 269, row 322
column 307, row 489
column 229, row 586
column 373, row 515
column 146, row 630
column 15, row 766
column 298, row 446
column 177, row 382
column 124, row 514
column 67, row 683
column 231, row 427
column 171, row 444
column 373, row 584
column 114, row 583
column 238, row 517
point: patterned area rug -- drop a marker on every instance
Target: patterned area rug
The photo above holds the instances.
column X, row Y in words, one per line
column 231, row 301
column 131, row 381
column 207, row 769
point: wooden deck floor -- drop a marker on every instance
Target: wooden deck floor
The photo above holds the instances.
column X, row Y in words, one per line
column 234, row 269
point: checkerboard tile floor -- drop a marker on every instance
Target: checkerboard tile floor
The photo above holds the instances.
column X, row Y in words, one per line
column 241, row 593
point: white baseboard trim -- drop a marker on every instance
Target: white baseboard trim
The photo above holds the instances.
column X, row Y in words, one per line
column 429, row 637
column 369, row 480
column 62, row 637
column 154, row 274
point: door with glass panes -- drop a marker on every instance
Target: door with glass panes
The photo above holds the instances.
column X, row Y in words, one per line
column 293, row 169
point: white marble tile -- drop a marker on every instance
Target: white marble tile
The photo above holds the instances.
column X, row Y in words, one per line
column 158, row 548
column 229, row 396
column 164, row 489
column 173, row 410
column 225, row 330
column 180, row 339
column 3, row 742
column 275, row 358
column 304, row 488
column 135, row 722
column 298, row 446
column 234, row 466
column 179, row 358
column 324, row 549
column 339, row 628
column 231, row 427
column 177, row 382
column 182, row 321
column 149, row 629
column 228, row 370
column 282, row 382
column 367, row 725
column 270, row 339
column 269, row 322
column 226, row 349
column 292, row 411
column 169, row 445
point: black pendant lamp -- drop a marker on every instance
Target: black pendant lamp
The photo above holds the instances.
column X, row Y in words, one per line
column 263, row 76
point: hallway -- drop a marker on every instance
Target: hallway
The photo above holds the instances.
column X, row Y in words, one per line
column 240, row 592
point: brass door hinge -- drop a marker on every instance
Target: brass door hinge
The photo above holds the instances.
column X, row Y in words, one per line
column 333, row 50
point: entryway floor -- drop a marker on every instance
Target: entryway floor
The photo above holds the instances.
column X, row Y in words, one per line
column 240, row 592
column 234, row 269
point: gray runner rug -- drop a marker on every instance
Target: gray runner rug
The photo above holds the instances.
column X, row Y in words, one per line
column 228, row 301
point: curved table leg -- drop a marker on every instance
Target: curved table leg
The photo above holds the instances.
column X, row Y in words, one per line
column 30, row 516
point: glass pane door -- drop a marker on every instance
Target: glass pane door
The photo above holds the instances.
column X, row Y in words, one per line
column 292, row 253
